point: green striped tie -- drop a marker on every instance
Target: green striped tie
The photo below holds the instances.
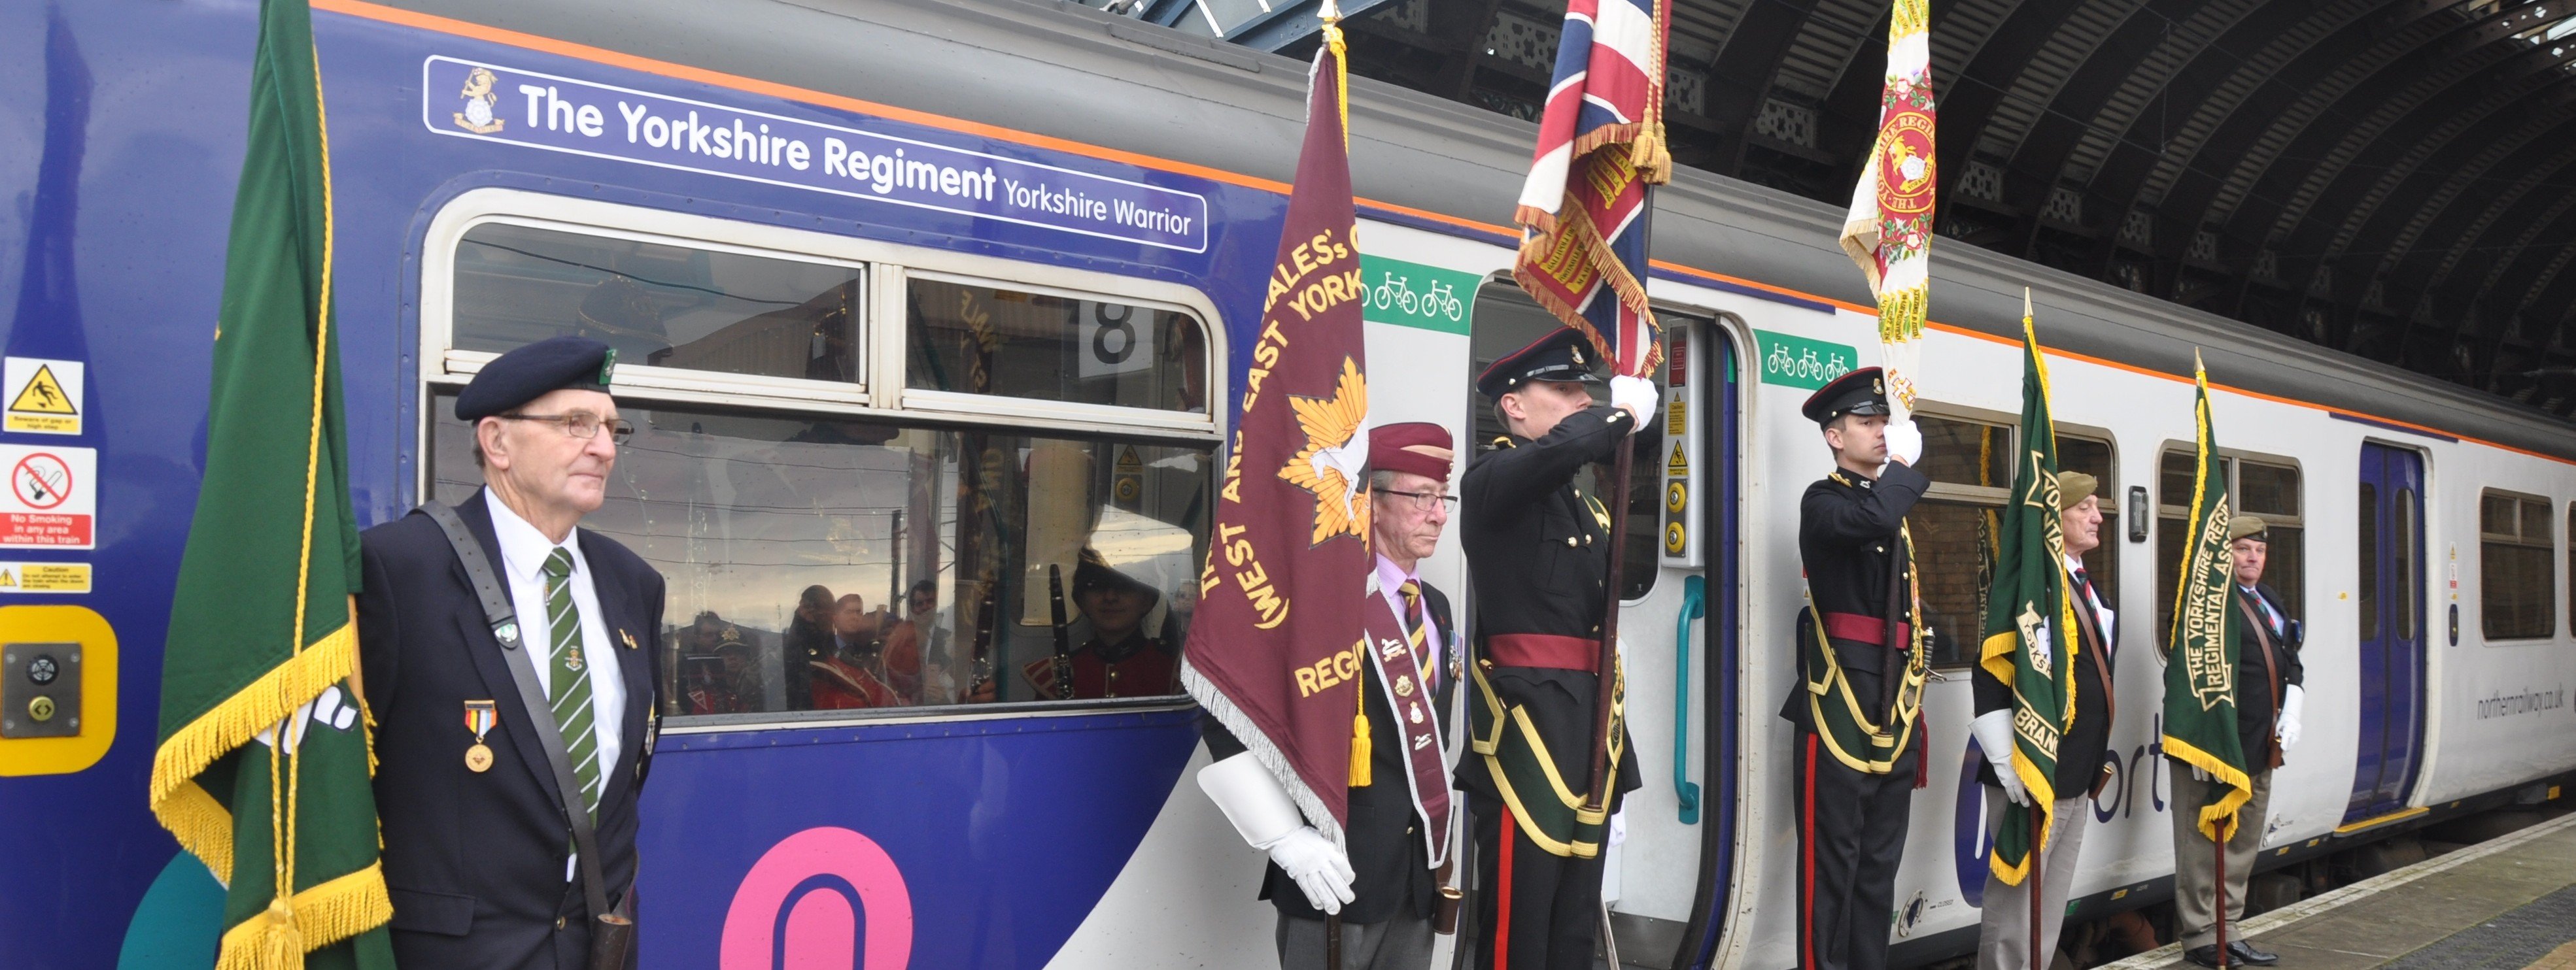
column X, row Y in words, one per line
column 571, row 687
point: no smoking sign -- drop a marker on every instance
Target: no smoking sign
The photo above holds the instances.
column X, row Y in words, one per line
column 52, row 498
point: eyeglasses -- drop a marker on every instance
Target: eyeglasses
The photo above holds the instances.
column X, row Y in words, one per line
column 580, row 424
column 1424, row 501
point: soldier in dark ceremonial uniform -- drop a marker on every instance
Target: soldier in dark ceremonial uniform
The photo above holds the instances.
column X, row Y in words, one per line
column 1538, row 551
column 1857, row 754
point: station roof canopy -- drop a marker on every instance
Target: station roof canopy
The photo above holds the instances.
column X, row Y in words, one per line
column 2395, row 178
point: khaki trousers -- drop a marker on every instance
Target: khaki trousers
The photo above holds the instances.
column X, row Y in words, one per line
column 1402, row 942
column 2195, row 856
column 2003, row 933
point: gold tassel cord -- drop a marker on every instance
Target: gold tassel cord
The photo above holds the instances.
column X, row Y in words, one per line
column 1363, row 749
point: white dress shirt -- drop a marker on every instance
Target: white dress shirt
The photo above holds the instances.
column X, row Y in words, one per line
column 2075, row 566
column 524, row 551
column 1390, row 583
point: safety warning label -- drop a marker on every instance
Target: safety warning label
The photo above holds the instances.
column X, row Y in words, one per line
column 44, row 577
column 42, row 396
column 51, row 501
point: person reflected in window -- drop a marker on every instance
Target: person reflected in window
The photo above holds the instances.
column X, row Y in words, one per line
column 854, row 671
column 721, row 675
column 929, row 625
column 808, row 644
column 1119, row 660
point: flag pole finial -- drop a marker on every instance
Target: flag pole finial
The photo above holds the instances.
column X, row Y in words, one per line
column 1331, row 12
column 2025, row 304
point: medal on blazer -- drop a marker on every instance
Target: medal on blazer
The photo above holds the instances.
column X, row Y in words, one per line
column 478, row 719
column 628, row 637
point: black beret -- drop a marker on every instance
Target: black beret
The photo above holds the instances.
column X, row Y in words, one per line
column 1858, row 392
column 1095, row 572
column 1565, row 354
column 533, row 371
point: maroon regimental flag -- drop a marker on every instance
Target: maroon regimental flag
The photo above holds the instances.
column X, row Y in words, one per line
column 1276, row 649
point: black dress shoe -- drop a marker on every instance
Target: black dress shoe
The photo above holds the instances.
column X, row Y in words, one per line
column 2240, row 951
column 2206, row 956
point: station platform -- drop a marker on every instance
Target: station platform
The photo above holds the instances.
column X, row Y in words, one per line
column 2505, row 904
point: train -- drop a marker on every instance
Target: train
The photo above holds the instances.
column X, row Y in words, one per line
column 917, row 300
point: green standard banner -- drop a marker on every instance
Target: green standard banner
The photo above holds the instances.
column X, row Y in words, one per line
column 1414, row 295
column 1799, row 362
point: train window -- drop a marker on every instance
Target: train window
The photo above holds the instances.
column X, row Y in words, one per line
column 2516, row 591
column 660, row 303
column 831, row 563
column 1970, row 464
column 2367, row 537
column 2258, row 488
column 981, row 338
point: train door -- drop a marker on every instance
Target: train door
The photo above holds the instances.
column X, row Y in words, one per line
column 1665, row 885
column 2391, row 652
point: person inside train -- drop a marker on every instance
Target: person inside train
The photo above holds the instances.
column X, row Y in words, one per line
column 2268, row 701
column 929, row 623
column 1118, row 660
column 2004, row 930
column 807, row 643
column 855, row 671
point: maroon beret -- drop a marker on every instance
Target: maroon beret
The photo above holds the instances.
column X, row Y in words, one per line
column 1418, row 447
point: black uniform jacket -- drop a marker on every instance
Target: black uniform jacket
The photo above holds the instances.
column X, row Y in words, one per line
column 1390, row 865
column 1539, row 554
column 475, row 860
column 2080, row 749
column 2254, row 688
column 1847, row 539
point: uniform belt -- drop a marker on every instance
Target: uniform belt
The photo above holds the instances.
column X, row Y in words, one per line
column 1866, row 629
column 1543, row 650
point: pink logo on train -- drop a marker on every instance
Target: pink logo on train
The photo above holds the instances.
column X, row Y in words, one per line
column 795, row 910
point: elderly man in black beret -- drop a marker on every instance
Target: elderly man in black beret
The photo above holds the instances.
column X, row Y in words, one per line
column 479, row 835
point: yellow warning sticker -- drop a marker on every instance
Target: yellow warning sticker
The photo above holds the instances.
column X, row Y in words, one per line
column 44, row 396
column 1676, row 417
column 44, row 577
column 1679, row 465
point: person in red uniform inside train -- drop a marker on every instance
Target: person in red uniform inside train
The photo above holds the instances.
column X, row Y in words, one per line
column 1119, row 660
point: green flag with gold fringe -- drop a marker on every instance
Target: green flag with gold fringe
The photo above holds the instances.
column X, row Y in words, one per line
column 263, row 765
column 2029, row 639
column 2200, row 652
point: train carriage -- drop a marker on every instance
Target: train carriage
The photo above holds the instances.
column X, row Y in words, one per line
column 931, row 297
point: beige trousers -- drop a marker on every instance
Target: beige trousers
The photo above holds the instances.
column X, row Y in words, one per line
column 2003, row 933
column 2196, row 858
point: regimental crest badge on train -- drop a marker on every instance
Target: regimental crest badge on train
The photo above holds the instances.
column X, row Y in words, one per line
column 479, row 101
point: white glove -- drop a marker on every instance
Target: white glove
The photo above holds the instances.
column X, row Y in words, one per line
column 1637, row 395
column 1321, row 869
column 2288, row 732
column 1993, row 731
column 1904, row 441
column 1619, row 825
column 1261, row 812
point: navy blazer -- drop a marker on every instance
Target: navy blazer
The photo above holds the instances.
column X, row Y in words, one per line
column 475, row 860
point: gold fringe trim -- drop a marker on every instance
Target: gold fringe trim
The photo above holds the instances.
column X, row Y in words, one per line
column 2240, row 788
column 1901, row 314
column 254, row 708
column 320, row 916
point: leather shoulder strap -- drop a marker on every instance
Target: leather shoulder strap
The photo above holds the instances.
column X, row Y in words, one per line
column 541, row 717
column 2086, row 627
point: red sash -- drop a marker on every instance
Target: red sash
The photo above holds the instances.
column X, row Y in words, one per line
column 1416, row 714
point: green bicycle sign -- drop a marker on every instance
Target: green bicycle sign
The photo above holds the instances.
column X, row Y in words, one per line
column 1414, row 295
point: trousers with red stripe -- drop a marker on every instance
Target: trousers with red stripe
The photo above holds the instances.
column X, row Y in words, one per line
column 1851, row 835
column 1535, row 911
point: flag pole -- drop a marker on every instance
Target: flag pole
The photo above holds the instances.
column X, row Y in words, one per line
column 2219, row 849
column 1327, row 15
column 2039, row 834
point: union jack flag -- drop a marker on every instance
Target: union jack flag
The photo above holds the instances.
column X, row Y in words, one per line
column 1583, row 211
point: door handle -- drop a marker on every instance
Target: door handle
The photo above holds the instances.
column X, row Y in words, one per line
column 1694, row 606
